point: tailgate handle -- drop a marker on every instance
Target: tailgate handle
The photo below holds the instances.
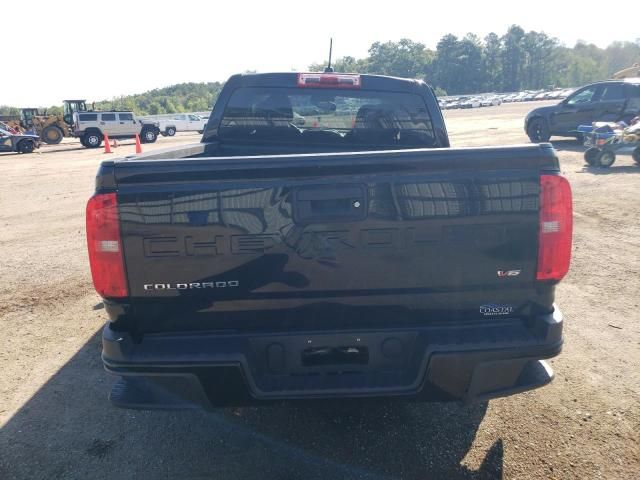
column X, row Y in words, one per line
column 330, row 202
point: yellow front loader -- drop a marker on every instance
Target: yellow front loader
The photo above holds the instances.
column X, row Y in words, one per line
column 54, row 127
column 631, row 72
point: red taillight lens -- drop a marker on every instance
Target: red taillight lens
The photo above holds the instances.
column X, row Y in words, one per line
column 328, row 80
column 556, row 225
column 105, row 246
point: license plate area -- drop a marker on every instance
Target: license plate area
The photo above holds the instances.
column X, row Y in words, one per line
column 301, row 353
column 310, row 364
column 344, row 355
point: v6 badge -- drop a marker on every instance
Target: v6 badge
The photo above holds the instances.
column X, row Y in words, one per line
column 508, row 273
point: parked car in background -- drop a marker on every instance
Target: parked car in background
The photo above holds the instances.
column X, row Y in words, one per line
column 181, row 122
column 18, row 142
column 471, row 103
column 611, row 100
column 488, row 99
column 491, row 101
column 90, row 127
column 565, row 93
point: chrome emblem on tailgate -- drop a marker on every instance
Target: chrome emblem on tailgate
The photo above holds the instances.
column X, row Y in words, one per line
column 508, row 273
column 493, row 309
column 190, row 286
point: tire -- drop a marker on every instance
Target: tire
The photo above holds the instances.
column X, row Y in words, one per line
column 591, row 156
column 82, row 141
column 538, row 130
column 200, row 132
column 26, row 146
column 171, row 131
column 606, row 159
column 92, row 139
column 148, row 136
column 52, row 135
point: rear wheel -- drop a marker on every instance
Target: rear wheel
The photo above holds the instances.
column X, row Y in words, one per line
column 538, row 131
column 26, row 146
column 636, row 155
column 171, row 131
column 606, row 159
column 149, row 136
column 200, row 132
column 92, row 139
column 591, row 155
column 52, row 135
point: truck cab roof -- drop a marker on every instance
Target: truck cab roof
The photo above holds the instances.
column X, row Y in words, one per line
column 284, row 79
column 330, row 104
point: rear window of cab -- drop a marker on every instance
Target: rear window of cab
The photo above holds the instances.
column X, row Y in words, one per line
column 327, row 116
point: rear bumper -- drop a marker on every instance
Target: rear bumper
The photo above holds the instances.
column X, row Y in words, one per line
column 466, row 362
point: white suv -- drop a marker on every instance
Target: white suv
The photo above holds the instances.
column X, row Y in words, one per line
column 180, row 122
column 90, row 127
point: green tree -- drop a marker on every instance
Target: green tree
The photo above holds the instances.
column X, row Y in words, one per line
column 155, row 108
column 405, row 58
column 538, row 60
column 470, row 60
column 445, row 71
column 512, row 58
column 492, row 62
column 619, row 55
column 345, row 65
column 9, row 111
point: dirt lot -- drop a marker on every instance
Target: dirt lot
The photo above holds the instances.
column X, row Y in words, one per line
column 57, row 423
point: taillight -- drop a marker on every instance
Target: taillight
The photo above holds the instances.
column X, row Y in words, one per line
column 328, row 80
column 105, row 246
column 556, row 225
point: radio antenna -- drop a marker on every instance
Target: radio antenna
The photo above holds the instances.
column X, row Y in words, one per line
column 329, row 68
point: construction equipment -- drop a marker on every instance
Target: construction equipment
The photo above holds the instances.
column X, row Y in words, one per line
column 51, row 128
column 630, row 72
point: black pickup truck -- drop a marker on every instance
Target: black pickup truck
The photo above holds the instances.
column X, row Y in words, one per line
column 323, row 240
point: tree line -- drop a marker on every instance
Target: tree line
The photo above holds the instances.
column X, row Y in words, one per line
column 514, row 61
column 184, row 97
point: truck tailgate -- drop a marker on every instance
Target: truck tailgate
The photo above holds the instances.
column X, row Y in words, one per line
column 453, row 232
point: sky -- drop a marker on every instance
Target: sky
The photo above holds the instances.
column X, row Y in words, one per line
column 101, row 50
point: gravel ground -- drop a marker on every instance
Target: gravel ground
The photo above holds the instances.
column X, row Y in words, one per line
column 56, row 421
